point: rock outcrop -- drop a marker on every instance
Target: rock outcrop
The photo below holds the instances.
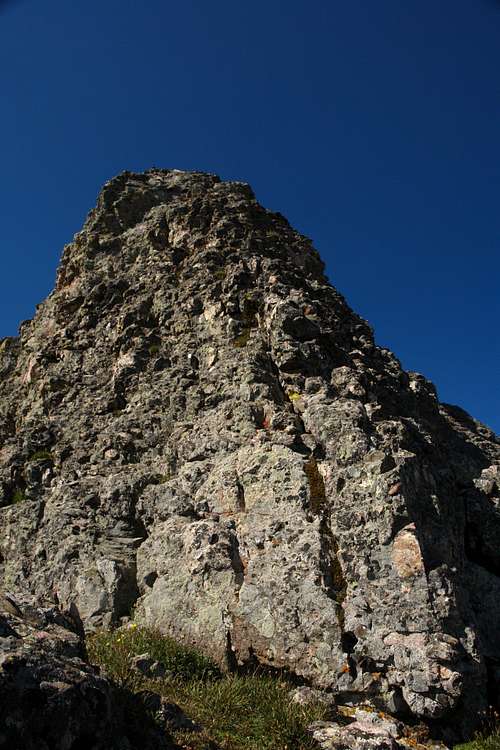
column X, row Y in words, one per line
column 195, row 426
column 52, row 699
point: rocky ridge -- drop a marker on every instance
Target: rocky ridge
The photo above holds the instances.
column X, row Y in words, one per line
column 195, row 426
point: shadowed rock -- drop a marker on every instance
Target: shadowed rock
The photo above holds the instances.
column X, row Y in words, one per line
column 52, row 699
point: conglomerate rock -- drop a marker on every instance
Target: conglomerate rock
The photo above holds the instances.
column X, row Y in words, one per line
column 196, row 425
column 367, row 731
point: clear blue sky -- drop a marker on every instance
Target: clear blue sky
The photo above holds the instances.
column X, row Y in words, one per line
column 373, row 126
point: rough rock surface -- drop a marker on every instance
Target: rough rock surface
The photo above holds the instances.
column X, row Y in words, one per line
column 363, row 728
column 51, row 699
column 367, row 731
column 196, row 424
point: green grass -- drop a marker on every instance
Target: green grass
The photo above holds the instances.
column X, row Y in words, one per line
column 113, row 649
column 482, row 741
column 18, row 496
column 236, row 712
column 42, row 456
column 251, row 712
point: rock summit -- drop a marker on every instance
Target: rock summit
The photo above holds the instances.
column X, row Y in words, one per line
column 196, row 428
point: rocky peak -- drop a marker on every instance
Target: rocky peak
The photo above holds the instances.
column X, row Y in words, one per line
column 196, row 426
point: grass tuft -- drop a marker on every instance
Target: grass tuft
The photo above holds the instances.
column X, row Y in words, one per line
column 113, row 650
column 236, row 712
column 18, row 496
column 482, row 741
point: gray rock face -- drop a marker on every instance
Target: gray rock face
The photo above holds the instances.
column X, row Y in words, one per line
column 196, row 425
column 367, row 731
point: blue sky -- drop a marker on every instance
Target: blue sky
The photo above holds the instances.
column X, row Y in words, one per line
column 373, row 126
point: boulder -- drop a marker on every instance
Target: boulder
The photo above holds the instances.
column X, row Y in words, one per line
column 52, row 699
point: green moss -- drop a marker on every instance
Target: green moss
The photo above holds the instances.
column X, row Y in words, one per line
column 220, row 274
column 42, row 456
column 154, row 348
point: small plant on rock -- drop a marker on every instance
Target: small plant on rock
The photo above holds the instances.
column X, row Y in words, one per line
column 42, row 456
column 18, row 496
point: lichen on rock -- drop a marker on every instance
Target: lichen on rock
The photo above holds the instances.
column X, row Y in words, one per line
column 224, row 450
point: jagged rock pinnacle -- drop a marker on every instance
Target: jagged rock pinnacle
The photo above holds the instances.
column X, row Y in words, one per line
column 197, row 426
